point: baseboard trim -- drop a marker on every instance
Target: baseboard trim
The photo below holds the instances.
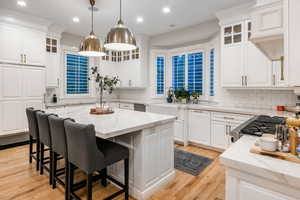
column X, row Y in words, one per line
column 8, row 146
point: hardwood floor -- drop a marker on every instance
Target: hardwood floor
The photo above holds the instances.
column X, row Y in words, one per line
column 20, row 181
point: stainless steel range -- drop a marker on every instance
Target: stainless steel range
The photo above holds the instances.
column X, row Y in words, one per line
column 257, row 126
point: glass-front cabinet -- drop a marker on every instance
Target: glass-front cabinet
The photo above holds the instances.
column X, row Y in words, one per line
column 233, row 34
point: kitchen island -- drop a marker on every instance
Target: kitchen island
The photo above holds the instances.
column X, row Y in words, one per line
column 148, row 136
column 256, row 177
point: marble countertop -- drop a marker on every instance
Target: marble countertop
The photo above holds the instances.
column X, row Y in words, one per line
column 119, row 123
column 238, row 156
column 215, row 107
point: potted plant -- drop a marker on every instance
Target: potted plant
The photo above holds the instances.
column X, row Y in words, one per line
column 170, row 95
column 182, row 95
column 195, row 97
column 104, row 83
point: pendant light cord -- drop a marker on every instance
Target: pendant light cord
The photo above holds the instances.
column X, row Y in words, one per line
column 92, row 18
column 120, row 10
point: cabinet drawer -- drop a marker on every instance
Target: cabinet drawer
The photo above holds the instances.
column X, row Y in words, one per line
column 127, row 106
column 230, row 117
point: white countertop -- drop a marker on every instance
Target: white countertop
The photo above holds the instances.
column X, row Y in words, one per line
column 116, row 124
column 214, row 107
column 238, row 156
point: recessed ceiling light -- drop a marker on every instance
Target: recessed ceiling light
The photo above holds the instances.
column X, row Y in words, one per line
column 76, row 19
column 166, row 9
column 21, row 3
column 139, row 19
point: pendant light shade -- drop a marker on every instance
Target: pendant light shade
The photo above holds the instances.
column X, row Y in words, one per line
column 91, row 45
column 120, row 38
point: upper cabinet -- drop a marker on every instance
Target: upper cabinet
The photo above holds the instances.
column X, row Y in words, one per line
column 241, row 60
column 268, row 27
column 22, row 45
column 130, row 66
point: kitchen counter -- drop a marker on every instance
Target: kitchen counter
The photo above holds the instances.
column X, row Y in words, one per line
column 215, row 107
column 149, row 138
column 248, row 174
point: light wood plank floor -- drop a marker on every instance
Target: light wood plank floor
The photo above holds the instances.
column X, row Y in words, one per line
column 20, row 181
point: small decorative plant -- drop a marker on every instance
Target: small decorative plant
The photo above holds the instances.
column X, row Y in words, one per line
column 104, row 83
column 170, row 95
column 182, row 95
column 195, row 96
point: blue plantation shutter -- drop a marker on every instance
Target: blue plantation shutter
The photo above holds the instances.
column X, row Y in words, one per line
column 160, row 74
column 77, row 74
column 178, row 68
column 195, row 72
column 212, row 73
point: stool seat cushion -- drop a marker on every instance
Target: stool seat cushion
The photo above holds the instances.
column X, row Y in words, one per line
column 112, row 152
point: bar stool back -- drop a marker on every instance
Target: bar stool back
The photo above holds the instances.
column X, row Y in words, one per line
column 92, row 154
column 45, row 139
column 33, row 136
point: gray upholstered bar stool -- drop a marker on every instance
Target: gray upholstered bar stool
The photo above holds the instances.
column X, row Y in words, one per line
column 59, row 148
column 33, row 136
column 45, row 140
column 92, row 154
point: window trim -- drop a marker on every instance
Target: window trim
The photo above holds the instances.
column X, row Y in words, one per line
column 200, row 49
column 66, row 95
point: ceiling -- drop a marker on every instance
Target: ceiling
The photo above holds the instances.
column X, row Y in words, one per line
column 184, row 13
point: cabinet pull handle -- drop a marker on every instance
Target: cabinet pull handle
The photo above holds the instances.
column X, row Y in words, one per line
column 21, row 58
column 246, row 80
column 242, row 80
column 58, row 82
column 226, row 129
column 282, row 68
column 274, row 79
column 229, row 118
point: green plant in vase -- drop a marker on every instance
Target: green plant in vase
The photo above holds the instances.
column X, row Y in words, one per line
column 195, row 97
column 182, row 95
column 104, row 83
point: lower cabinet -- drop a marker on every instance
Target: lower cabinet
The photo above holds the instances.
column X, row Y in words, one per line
column 199, row 127
column 219, row 134
column 179, row 130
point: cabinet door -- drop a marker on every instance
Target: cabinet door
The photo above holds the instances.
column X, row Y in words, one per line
column 257, row 67
column 12, row 116
column 232, row 66
column 179, row 130
column 219, row 137
column 11, row 44
column 199, row 127
column 11, row 81
column 52, row 69
column 34, row 82
column 34, row 45
column 248, row 191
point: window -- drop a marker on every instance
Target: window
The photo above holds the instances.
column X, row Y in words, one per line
column 195, row 72
column 51, row 45
column 212, row 73
column 126, row 55
column 178, row 68
column 106, row 57
column 135, row 54
column 160, row 75
column 114, row 56
column 119, row 56
column 77, row 74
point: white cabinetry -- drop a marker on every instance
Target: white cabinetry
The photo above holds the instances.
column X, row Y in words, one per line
column 126, row 106
column 221, row 125
column 199, row 127
column 22, row 45
column 267, row 19
column 243, row 64
column 21, row 87
column 53, row 60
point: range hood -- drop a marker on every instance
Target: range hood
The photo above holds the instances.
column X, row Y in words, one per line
column 271, row 46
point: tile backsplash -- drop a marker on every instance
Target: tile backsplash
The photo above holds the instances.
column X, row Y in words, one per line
column 267, row 99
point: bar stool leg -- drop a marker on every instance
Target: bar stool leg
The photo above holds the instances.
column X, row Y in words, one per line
column 89, row 187
column 30, row 148
column 70, row 180
column 53, row 169
column 42, row 158
column 103, row 177
column 126, row 166
column 66, row 179
column 38, row 148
